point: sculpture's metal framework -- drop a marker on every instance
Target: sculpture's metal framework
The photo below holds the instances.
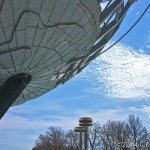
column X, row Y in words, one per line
column 47, row 42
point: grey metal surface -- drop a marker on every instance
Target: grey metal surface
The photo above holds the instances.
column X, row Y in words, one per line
column 52, row 40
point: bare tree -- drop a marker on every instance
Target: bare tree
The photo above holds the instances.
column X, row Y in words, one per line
column 72, row 140
column 127, row 135
column 113, row 135
column 108, row 136
column 54, row 139
column 95, row 136
column 138, row 133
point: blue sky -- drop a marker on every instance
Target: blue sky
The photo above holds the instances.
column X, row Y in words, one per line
column 113, row 86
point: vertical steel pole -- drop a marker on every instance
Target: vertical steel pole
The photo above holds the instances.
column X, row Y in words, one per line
column 11, row 90
column 86, row 140
column 80, row 140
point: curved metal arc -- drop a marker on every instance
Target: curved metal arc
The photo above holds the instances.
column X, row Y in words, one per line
column 111, row 26
column 47, row 26
column 14, row 49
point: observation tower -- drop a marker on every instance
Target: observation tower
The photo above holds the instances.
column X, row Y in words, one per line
column 44, row 43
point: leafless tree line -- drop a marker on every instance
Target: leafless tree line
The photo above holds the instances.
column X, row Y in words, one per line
column 113, row 135
column 57, row 139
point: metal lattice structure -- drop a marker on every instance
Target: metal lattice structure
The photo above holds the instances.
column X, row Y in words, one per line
column 50, row 41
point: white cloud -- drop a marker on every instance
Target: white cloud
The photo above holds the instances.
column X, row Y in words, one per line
column 144, row 113
column 146, row 110
column 46, row 106
column 20, row 132
column 102, row 116
column 132, row 108
column 103, row 5
column 121, row 72
column 21, row 126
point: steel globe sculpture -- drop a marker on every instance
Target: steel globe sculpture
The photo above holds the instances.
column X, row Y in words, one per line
column 44, row 43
